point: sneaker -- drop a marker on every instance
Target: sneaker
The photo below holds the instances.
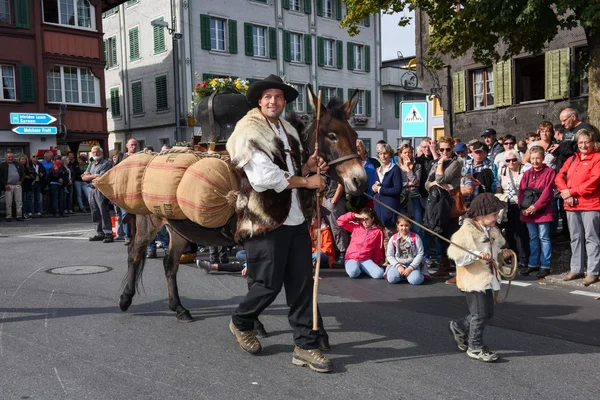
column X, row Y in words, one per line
column 30, row 215
column 26, row 216
column 205, row 265
column 151, row 254
column 529, row 270
column 246, row 339
column 120, row 238
column 484, row 354
column 20, row 219
column 96, row 238
column 543, row 272
column 39, row 215
column 312, row 359
column 460, row 337
column 108, row 239
column 127, row 241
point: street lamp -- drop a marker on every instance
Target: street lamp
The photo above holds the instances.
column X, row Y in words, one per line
column 176, row 36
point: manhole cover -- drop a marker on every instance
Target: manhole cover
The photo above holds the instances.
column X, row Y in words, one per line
column 79, row 270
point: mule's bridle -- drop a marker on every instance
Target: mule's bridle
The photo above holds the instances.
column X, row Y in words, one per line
column 342, row 159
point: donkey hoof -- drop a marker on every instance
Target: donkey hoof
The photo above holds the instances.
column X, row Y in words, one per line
column 124, row 303
column 184, row 316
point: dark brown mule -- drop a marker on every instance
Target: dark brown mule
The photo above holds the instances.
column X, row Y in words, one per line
column 337, row 145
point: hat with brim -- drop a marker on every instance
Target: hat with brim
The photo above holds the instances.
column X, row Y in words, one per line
column 485, row 204
column 270, row 82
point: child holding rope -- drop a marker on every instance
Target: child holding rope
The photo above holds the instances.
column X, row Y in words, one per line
column 476, row 276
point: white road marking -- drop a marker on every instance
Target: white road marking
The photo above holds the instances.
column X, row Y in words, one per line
column 46, row 316
column 584, row 293
column 51, row 237
column 517, row 283
column 59, row 380
column 54, row 233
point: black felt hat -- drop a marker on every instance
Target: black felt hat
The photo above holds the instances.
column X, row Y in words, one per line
column 484, row 204
column 270, row 82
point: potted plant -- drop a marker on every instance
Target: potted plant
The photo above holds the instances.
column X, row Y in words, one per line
column 360, row 120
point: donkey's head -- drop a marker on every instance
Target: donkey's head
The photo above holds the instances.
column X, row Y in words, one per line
column 337, row 142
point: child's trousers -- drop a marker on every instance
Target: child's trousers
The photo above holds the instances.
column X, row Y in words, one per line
column 481, row 309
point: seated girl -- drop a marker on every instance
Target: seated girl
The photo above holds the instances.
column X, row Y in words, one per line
column 365, row 251
column 405, row 255
column 327, row 249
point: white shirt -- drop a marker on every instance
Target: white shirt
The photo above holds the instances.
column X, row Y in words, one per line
column 263, row 174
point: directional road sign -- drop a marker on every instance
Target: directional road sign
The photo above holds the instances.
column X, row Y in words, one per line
column 35, row 130
column 413, row 122
column 31, row 119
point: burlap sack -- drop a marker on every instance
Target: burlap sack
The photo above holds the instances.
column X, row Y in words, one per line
column 122, row 184
column 161, row 180
column 205, row 193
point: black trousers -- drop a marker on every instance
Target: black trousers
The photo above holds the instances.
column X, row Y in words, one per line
column 277, row 258
column 517, row 235
column 481, row 309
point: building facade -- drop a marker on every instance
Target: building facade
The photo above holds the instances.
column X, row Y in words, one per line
column 52, row 63
column 511, row 96
column 298, row 39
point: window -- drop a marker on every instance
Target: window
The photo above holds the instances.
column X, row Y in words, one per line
column 259, row 41
column 328, row 8
column 328, row 52
column 5, row 12
column 7, row 82
column 296, row 47
column 295, row 5
column 110, row 52
column 73, row 85
column 118, row 146
column 529, row 80
column 483, row 88
column 582, row 59
column 162, row 102
column 141, row 144
column 137, row 102
column 115, row 102
column 164, row 142
column 132, row 2
column 298, row 104
column 358, row 57
column 360, row 107
column 159, row 38
column 217, row 34
column 134, row 44
column 77, row 13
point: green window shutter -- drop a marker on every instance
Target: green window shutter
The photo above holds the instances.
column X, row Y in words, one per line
column 159, row 37
column 397, row 100
column 115, row 102
column 105, row 56
column 319, row 7
column 307, row 10
column 308, row 49
column 205, row 32
column 368, row 103
column 367, row 21
column 285, row 4
column 248, row 44
column 273, row 43
column 367, row 55
column 458, row 92
column 162, row 102
column 340, row 54
column 26, row 83
column 320, row 51
column 340, row 93
column 22, row 13
column 113, row 50
column 350, row 93
column 287, row 51
column 503, row 84
column 338, row 9
column 350, row 55
column 232, row 27
column 134, row 44
column 323, row 90
column 558, row 68
column 137, row 104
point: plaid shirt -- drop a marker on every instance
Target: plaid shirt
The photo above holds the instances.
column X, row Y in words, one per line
column 470, row 169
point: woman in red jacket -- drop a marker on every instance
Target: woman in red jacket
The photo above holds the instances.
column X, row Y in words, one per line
column 365, row 251
column 579, row 184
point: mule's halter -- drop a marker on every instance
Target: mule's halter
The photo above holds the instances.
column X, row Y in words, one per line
column 342, row 159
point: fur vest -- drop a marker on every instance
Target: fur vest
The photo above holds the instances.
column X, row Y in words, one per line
column 262, row 212
column 476, row 276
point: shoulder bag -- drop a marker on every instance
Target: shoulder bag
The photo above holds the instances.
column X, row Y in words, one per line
column 530, row 195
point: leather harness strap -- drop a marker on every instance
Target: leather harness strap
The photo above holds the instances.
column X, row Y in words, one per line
column 211, row 117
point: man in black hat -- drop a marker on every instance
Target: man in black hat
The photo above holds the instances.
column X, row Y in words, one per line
column 479, row 171
column 273, row 208
column 495, row 148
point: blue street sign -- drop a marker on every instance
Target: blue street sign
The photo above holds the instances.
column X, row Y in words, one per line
column 35, row 130
column 413, row 121
column 31, row 119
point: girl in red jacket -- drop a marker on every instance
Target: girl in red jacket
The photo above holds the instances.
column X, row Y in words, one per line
column 365, row 251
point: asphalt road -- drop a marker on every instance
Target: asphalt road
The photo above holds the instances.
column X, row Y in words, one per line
column 63, row 336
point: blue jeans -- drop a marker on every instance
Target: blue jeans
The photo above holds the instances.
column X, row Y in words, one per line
column 414, row 278
column 27, row 202
column 163, row 237
column 37, row 197
column 539, row 243
column 324, row 259
column 57, row 194
column 355, row 268
column 241, row 256
column 81, row 187
column 69, row 198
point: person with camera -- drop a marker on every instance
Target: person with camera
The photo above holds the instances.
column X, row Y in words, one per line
column 579, row 185
column 535, row 195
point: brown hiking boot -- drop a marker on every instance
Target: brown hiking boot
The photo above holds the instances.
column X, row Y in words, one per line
column 572, row 275
column 312, row 359
column 246, row 339
column 589, row 279
column 444, row 270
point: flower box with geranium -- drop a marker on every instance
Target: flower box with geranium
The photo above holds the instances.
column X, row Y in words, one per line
column 358, row 120
column 219, row 85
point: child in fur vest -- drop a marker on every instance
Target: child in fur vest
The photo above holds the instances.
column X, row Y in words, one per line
column 405, row 255
column 476, row 276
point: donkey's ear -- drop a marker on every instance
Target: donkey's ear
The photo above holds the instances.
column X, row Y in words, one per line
column 350, row 105
column 314, row 100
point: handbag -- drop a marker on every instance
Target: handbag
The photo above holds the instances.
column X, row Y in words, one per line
column 530, row 196
column 459, row 207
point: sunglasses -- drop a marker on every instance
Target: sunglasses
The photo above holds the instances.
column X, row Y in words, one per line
column 509, row 143
column 33, row 156
column 511, row 160
column 445, row 149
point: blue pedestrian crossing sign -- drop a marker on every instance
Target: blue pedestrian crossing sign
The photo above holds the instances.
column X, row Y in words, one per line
column 413, row 121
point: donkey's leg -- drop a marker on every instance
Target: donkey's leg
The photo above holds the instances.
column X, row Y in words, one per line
column 177, row 245
column 146, row 227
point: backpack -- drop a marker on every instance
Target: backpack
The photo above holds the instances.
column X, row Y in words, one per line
column 413, row 239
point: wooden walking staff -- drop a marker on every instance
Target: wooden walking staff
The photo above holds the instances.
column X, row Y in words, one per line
column 318, row 264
